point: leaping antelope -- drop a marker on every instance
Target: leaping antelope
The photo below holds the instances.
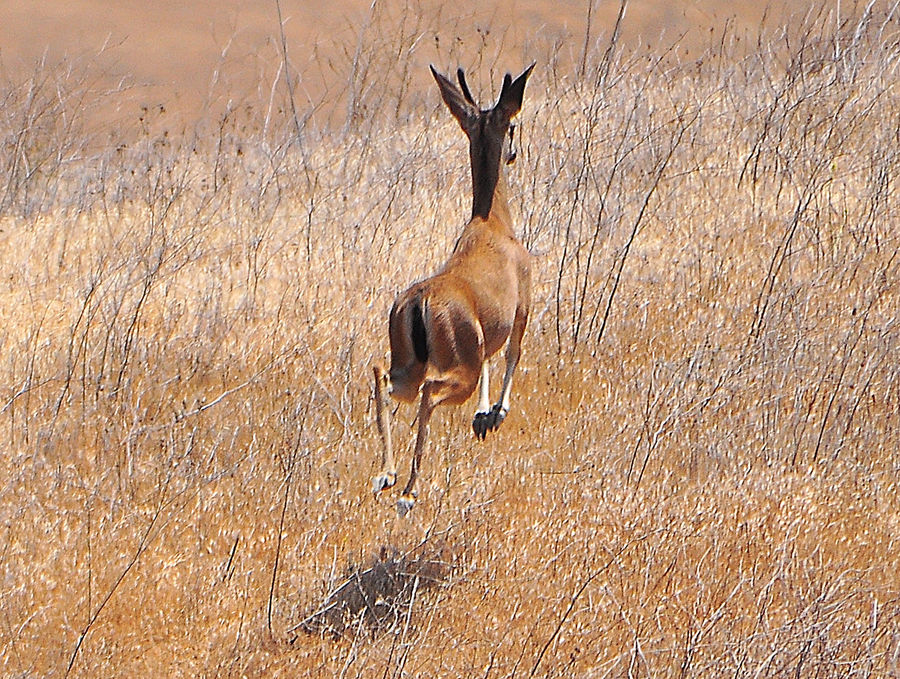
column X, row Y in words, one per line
column 444, row 329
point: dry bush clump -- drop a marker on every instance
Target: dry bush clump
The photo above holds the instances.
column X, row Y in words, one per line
column 380, row 597
column 699, row 474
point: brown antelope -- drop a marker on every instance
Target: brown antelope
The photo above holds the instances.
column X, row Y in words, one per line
column 444, row 329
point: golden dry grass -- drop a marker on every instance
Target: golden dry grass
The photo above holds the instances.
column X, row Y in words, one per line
column 699, row 475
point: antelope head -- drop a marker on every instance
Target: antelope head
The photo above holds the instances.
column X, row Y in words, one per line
column 487, row 130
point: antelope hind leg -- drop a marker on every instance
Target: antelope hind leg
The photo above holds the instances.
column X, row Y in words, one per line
column 426, row 407
column 388, row 475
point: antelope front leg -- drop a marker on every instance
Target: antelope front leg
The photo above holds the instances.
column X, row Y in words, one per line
column 501, row 407
column 490, row 420
column 388, row 475
column 492, row 417
column 481, row 423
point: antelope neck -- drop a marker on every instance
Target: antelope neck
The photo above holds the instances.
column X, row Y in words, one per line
column 488, row 183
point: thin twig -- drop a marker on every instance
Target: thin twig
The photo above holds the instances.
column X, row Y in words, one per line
column 286, row 71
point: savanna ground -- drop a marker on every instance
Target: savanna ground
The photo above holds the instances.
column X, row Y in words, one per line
column 699, row 473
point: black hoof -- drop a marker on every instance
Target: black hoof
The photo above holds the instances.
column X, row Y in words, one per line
column 480, row 425
column 489, row 421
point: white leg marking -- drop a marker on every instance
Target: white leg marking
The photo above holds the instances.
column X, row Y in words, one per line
column 507, row 388
column 482, row 423
column 484, row 399
column 500, row 410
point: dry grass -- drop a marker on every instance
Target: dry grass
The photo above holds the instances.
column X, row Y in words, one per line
column 699, row 475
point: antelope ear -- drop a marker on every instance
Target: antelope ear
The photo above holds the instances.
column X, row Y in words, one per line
column 461, row 109
column 510, row 102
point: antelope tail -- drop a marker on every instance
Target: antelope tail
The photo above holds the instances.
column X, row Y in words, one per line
column 418, row 333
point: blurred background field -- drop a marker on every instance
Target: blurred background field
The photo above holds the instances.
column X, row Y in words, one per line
column 699, row 473
column 196, row 57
